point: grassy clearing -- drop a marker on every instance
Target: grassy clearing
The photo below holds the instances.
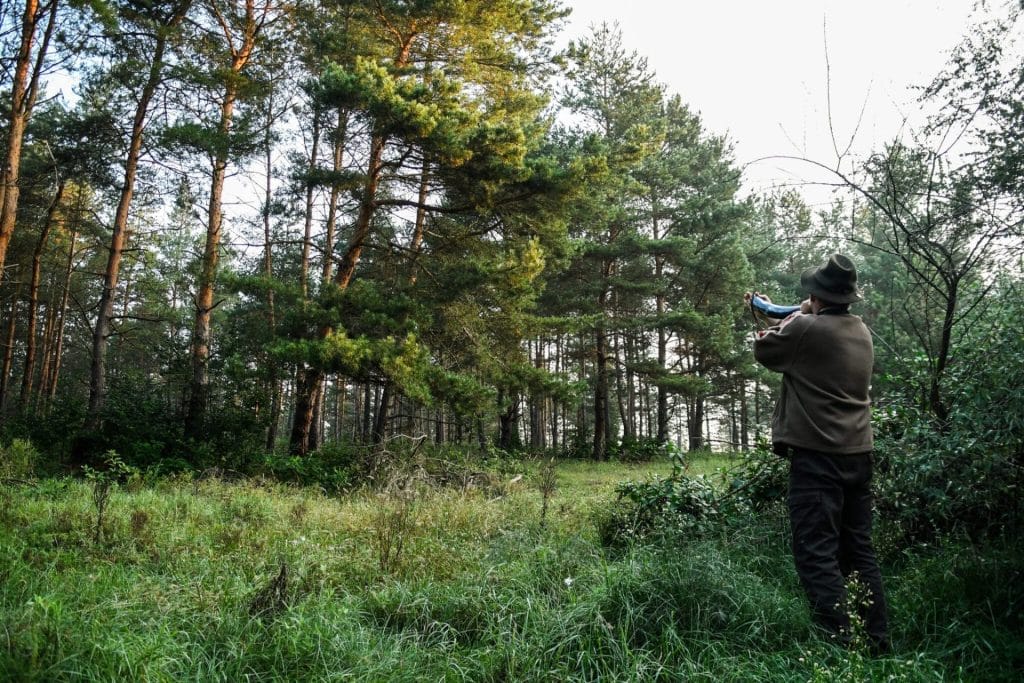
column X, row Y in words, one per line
column 448, row 584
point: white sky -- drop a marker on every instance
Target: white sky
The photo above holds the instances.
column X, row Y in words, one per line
column 756, row 69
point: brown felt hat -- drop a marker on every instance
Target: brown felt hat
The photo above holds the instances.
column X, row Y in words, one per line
column 835, row 282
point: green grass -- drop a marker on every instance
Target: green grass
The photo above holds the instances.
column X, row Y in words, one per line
column 179, row 588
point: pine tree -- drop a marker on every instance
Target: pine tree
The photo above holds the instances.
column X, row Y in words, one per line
column 449, row 115
column 140, row 37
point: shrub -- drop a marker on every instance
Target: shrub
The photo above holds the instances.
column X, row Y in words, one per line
column 644, row 449
column 333, row 467
column 676, row 504
column 681, row 504
column 18, row 460
column 761, row 478
column 966, row 473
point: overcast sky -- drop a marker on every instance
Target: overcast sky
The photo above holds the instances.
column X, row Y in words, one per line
column 756, row 69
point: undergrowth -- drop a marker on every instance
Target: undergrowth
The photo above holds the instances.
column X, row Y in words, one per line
column 217, row 580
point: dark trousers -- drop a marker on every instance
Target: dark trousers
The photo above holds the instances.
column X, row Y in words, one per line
column 830, row 515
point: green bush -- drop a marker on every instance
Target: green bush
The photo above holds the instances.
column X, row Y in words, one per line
column 333, row 467
column 681, row 504
column 18, row 460
column 51, row 432
column 760, row 479
column 644, row 449
column 677, row 504
column 965, row 474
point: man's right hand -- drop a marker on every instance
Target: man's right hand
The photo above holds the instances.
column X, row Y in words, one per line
column 760, row 317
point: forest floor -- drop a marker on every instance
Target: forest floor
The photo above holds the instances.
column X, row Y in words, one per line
column 179, row 578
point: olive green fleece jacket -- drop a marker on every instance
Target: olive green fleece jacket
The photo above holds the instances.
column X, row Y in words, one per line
column 826, row 363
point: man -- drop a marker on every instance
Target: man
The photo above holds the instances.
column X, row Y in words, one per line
column 822, row 423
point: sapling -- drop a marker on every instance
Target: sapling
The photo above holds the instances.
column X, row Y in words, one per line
column 547, row 485
column 102, row 482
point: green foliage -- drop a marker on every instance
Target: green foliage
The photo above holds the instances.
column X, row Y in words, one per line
column 102, row 481
column 684, row 505
column 645, row 449
column 51, row 433
column 678, row 505
column 964, row 474
column 334, row 468
column 18, row 460
column 480, row 589
column 760, row 479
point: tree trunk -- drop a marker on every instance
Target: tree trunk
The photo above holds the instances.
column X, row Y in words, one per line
column 696, row 426
column 201, row 337
column 24, row 89
column 305, row 403
column 364, row 432
column 416, row 243
column 936, row 403
column 620, row 398
column 316, row 425
column 662, row 410
column 508, row 422
column 309, row 436
column 58, row 347
column 8, row 362
column 119, row 237
column 537, row 405
column 555, row 405
column 380, row 423
column 633, row 421
column 28, row 375
column 332, row 207
column 439, row 426
column 46, row 352
column 298, row 442
column 307, row 226
column 273, row 380
column 356, row 243
column 744, row 416
column 204, row 303
column 601, row 409
column 659, row 302
column 581, row 408
column 341, row 398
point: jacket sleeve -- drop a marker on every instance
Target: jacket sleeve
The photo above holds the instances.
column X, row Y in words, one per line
column 776, row 347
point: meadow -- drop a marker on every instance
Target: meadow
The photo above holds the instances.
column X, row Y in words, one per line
column 499, row 577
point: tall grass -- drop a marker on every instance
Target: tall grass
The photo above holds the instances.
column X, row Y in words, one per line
column 481, row 591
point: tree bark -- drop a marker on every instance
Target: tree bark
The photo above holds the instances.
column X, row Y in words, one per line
column 28, row 376
column 601, row 408
column 332, row 207
column 24, row 89
column 744, row 416
column 273, row 380
column 119, row 236
column 8, row 362
column 696, row 426
column 380, row 422
column 58, row 347
column 46, row 352
column 307, row 223
column 364, row 431
column 204, row 303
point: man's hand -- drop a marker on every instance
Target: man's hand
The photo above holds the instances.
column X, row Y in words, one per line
column 760, row 317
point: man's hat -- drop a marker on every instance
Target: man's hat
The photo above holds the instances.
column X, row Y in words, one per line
column 835, row 282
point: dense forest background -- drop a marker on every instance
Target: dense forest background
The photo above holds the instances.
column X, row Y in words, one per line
column 341, row 340
column 258, row 229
